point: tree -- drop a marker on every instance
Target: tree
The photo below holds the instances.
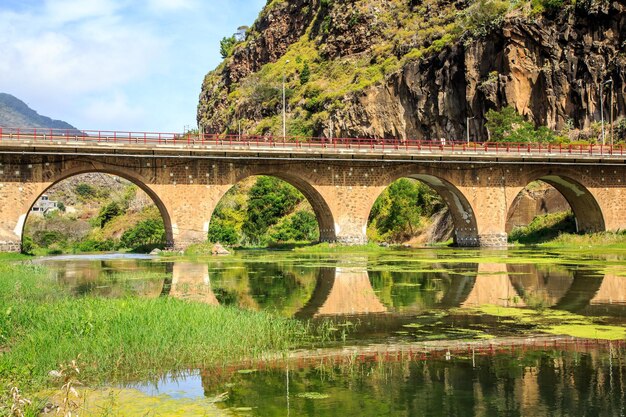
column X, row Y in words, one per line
column 108, row 213
column 227, row 44
column 507, row 125
column 305, row 75
column 146, row 232
column 397, row 213
column 269, row 200
column 85, row 190
column 302, row 226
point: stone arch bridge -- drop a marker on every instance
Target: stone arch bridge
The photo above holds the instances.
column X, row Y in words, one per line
column 186, row 178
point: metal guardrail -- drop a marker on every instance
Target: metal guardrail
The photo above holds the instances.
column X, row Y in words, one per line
column 77, row 138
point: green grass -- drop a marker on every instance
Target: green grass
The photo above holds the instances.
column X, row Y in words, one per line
column 41, row 326
column 11, row 256
column 558, row 230
column 544, row 228
column 615, row 240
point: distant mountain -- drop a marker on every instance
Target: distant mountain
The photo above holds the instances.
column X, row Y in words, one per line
column 15, row 113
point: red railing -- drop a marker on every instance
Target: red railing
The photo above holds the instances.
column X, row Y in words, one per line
column 149, row 139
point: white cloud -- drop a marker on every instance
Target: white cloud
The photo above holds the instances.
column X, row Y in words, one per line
column 66, row 11
column 86, row 61
column 55, row 57
column 113, row 110
column 172, row 5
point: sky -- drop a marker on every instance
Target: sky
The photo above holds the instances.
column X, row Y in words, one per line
column 131, row 65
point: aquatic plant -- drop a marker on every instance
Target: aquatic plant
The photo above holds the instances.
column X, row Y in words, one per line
column 41, row 325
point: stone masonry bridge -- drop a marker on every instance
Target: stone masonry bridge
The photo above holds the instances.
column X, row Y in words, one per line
column 186, row 176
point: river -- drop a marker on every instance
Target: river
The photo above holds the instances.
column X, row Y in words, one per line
column 414, row 332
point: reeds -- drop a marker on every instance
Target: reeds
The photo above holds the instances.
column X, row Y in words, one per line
column 41, row 326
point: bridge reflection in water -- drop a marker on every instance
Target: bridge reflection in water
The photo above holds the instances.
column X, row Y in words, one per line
column 378, row 297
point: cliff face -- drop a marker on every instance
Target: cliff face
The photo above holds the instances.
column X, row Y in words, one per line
column 411, row 70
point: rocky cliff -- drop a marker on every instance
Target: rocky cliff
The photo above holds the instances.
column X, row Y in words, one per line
column 421, row 68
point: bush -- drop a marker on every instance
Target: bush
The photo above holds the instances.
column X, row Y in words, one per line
column 397, row 214
column 620, row 130
column 85, row 191
column 221, row 231
column 305, row 74
column 46, row 238
column 483, row 16
column 28, row 245
column 507, row 125
column 92, row 245
column 302, row 226
column 227, row 45
column 108, row 213
column 269, row 200
column 146, row 232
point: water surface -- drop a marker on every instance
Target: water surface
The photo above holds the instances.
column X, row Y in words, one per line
column 396, row 298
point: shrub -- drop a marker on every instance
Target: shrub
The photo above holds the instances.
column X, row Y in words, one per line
column 227, row 45
column 93, row 245
column 28, row 245
column 221, row 231
column 397, row 213
column 483, row 16
column 302, row 226
column 45, row 238
column 269, row 200
column 507, row 125
column 108, row 213
column 305, row 74
column 146, row 232
column 620, row 130
column 85, row 190
column 546, row 6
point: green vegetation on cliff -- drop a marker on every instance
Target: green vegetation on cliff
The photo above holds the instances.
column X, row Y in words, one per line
column 415, row 69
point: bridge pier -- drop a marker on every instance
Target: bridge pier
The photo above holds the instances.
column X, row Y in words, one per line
column 189, row 207
column 16, row 198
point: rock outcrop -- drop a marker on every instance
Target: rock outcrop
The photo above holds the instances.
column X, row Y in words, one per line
column 552, row 68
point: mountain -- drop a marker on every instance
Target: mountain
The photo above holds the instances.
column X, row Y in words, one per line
column 15, row 113
column 421, row 68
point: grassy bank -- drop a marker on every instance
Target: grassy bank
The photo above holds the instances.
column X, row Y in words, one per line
column 41, row 326
column 558, row 230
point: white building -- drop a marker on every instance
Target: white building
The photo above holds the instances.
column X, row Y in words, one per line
column 44, row 205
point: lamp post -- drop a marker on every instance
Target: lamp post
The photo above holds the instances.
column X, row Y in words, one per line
column 609, row 81
column 467, row 127
column 284, row 105
column 602, row 111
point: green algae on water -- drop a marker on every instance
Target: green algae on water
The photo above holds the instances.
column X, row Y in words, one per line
column 555, row 322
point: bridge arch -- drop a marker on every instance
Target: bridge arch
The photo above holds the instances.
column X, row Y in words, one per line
column 584, row 205
column 118, row 171
column 323, row 212
column 463, row 216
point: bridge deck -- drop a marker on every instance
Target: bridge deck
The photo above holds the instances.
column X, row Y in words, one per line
column 211, row 146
